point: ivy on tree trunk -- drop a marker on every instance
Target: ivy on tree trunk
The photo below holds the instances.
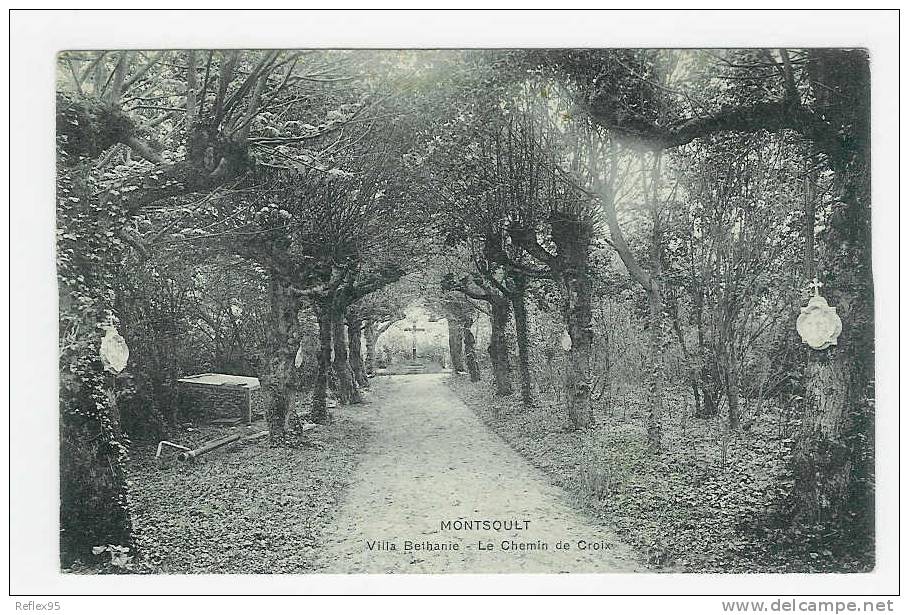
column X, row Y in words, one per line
column 571, row 233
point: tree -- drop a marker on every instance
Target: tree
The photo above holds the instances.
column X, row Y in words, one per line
column 356, row 287
column 373, row 330
column 553, row 224
column 457, row 311
column 481, row 192
column 460, row 314
column 480, row 289
column 738, row 240
column 472, row 221
column 318, row 235
column 821, row 95
column 649, row 278
column 190, row 135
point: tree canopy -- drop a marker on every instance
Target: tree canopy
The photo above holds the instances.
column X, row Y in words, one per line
column 628, row 231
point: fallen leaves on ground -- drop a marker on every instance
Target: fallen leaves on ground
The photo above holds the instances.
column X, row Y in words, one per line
column 245, row 508
column 700, row 506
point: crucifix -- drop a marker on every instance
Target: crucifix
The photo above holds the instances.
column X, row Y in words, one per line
column 816, row 285
column 413, row 334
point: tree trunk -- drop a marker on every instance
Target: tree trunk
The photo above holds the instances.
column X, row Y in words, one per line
column 456, row 344
column 93, row 484
column 696, row 394
column 823, row 458
column 578, row 376
column 470, row 350
column 655, row 371
column 706, row 380
column 348, row 392
column 655, row 305
column 498, row 345
column 572, row 238
column 323, row 364
column 834, row 458
column 354, row 336
column 732, row 397
column 691, row 367
column 518, row 298
column 369, row 335
column 94, row 507
column 283, row 342
column 711, row 393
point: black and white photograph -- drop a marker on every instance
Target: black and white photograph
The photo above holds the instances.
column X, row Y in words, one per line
column 465, row 309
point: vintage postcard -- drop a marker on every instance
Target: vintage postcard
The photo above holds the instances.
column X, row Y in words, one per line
column 484, row 310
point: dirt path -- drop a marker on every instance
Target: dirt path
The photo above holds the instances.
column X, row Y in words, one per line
column 433, row 461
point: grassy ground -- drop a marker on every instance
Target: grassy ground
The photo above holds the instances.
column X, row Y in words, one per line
column 248, row 508
column 701, row 506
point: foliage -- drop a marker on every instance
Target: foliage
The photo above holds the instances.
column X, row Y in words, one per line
column 639, row 227
column 138, row 134
column 705, row 505
column 247, row 510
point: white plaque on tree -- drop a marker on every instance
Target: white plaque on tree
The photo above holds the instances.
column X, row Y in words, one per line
column 565, row 341
column 298, row 360
column 114, row 351
column 818, row 324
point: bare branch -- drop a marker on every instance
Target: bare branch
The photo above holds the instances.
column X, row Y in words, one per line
column 142, row 71
column 191, row 86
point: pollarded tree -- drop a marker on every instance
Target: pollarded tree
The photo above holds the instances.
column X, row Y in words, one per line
column 551, row 221
column 480, row 190
column 459, row 315
column 327, row 237
column 520, row 217
column 511, row 181
column 342, row 236
column 315, row 234
column 135, row 129
column 200, row 118
column 458, row 158
column 472, row 226
column 479, row 288
column 357, row 285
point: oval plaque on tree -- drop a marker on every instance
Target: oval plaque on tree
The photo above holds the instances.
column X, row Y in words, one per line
column 818, row 324
column 114, row 351
column 565, row 341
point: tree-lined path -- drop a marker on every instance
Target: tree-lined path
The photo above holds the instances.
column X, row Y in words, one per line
column 657, row 260
column 433, row 460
